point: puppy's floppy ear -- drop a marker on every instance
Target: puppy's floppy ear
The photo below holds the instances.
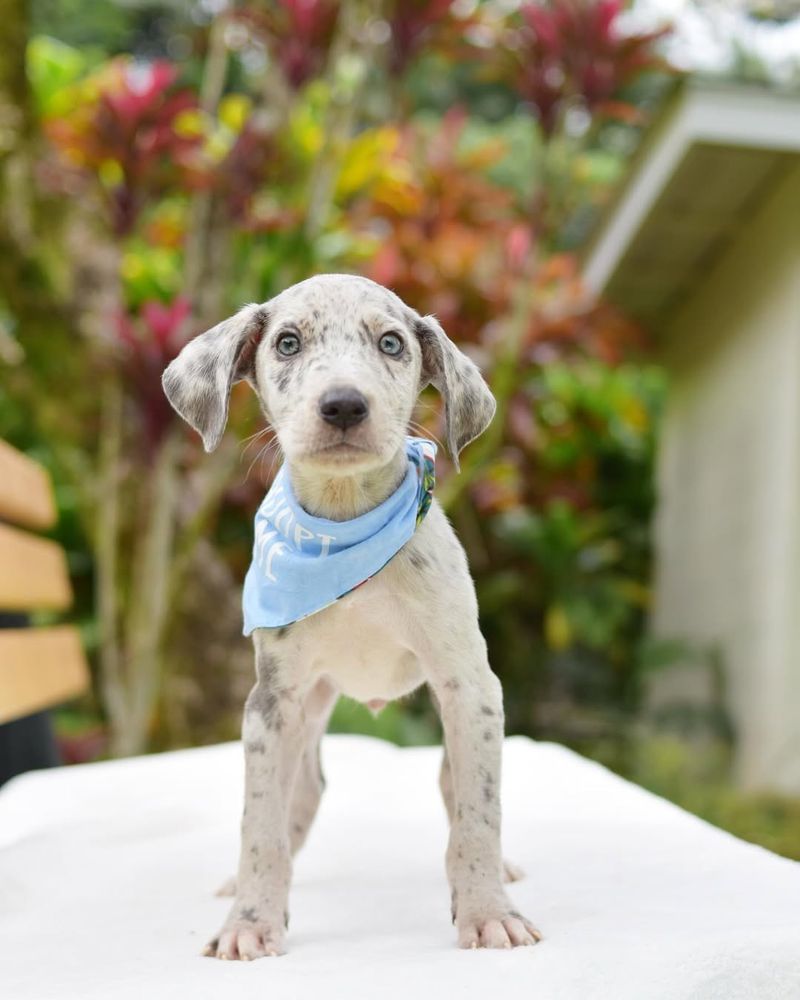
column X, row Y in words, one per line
column 469, row 405
column 198, row 382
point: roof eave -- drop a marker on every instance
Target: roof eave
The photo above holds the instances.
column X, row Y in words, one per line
column 701, row 112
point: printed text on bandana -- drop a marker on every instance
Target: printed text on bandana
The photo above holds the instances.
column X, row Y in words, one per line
column 282, row 525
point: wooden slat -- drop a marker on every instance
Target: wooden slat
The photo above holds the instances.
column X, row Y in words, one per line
column 26, row 496
column 39, row 668
column 33, row 573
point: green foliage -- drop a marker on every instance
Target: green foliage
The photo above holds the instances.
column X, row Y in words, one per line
column 53, row 68
column 146, row 27
column 698, row 779
column 567, row 546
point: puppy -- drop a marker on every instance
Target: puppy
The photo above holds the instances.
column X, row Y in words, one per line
column 337, row 362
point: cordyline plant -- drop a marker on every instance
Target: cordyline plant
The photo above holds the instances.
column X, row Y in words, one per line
column 447, row 227
column 415, row 23
column 298, row 33
column 572, row 51
column 126, row 127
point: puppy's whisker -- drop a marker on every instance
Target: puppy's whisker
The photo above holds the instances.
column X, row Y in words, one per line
column 276, row 455
column 246, row 442
column 263, row 452
column 424, row 431
column 429, row 407
column 250, row 467
column 256, row 439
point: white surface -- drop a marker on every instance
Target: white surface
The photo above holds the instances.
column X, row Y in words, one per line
column 107, row 874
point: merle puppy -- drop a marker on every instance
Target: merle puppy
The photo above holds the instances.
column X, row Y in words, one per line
column 337, row 362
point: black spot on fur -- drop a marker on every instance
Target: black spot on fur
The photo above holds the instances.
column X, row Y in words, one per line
column 486, row 710
column 264, row 702
column 249, row 914
column 417, row 560
column 265, row 697
column 283, row 377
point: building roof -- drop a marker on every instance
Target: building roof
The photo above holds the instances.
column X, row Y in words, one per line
column 711, row 157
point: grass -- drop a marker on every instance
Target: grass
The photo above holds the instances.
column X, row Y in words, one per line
column 701, row 784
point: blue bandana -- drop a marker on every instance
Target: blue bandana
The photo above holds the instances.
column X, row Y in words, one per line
column 301, row 564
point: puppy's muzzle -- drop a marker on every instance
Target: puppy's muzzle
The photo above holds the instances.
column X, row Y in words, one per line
column 343, row 408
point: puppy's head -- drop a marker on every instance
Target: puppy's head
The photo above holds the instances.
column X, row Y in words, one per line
column 337, row 362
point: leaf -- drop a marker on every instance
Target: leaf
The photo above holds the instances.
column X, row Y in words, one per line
column 557, row 629
column 234, row 110
column 53, row 68
column 367, row 159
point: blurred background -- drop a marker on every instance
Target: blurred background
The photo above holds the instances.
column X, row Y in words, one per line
column 600, row 201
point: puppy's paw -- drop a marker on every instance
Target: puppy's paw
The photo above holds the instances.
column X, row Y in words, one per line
column 501, row 930
column 245, row 937
column 228, row 887
column 511, row 872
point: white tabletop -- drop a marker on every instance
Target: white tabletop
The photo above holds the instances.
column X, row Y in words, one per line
column 107, row 875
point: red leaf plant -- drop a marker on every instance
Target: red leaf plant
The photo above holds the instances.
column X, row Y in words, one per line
column 412, row 23
column 447, row 228
column 252, row 160
column 299, row 33
column 125, row 130
column 567, row 50
column 150, row 341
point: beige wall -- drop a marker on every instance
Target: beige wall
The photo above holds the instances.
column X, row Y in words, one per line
column 728, row 527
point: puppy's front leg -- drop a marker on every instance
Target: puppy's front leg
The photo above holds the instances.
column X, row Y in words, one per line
column 472, row 715
column 272, row 733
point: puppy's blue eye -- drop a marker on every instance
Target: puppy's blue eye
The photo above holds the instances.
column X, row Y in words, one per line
column 287, row 344
column 391, row 343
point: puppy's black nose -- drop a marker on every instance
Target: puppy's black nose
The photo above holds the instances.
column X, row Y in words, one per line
column 343, row 407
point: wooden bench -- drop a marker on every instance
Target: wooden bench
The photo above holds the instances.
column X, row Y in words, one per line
column 39, row 667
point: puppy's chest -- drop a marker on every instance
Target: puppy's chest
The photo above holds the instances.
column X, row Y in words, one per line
column 364, row 641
